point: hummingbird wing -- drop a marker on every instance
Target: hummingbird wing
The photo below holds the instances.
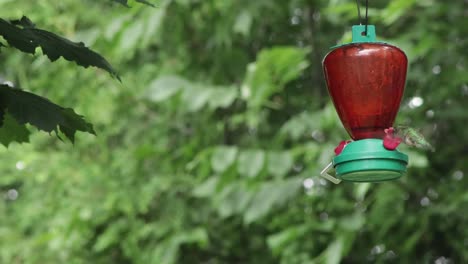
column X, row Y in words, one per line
column 401, row 130
column 413, row 137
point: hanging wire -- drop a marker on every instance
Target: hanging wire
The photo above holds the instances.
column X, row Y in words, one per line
column 359, row 12
column 366, row 21
column 367, row 18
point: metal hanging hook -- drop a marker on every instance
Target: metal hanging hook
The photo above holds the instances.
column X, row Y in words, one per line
column 324, row 173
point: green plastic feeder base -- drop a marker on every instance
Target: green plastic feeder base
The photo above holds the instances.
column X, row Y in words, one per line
column 367, row 160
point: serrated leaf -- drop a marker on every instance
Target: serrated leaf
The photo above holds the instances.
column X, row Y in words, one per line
column 38, row 111
column 23, row 35
column 251, row 162
column 223, row 157
column 72, row 123
column 12, row 131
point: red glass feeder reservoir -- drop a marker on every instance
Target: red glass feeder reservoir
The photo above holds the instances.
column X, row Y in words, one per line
column 366, row 80
column 366, row 83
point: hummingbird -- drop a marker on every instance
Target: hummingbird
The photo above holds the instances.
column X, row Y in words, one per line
column 407, row 135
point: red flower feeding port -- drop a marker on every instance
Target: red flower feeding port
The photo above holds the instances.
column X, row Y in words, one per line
column 366, row 80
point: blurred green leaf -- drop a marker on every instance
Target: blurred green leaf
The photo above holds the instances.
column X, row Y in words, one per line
column 222, row 97
column 125, row 2
column 223, row 157
column 279, row 163
column 387, row 209
column 164, row 87
column 195, row 98
column 353, row 223
column 250, row 162
column 271, row 71
column 233, row 199
column 277, row 242
column 270, row 194
column 207, row 188
column 243, row 23
column 334, row 251
column 395, row 10
column 361, row 190
column 416, row 159
column 110, row 236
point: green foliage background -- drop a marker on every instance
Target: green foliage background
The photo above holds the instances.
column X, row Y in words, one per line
column 209, row 151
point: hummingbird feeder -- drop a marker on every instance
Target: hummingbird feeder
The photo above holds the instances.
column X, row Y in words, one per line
column 366, row 80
